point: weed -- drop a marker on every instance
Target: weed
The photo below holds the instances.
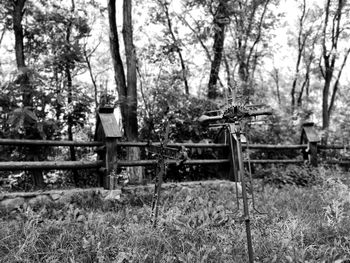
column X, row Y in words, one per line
column 302, row 224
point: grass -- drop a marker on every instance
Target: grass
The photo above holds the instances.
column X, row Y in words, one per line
column 301, row 224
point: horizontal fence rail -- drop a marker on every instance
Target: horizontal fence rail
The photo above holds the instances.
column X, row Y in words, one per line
column 202, row 162
column 50, row 165
column 281, row 161
column 108, row 146
column 19, row 142
column 214, row 145
column 187, row 162
column 275, row 147
column 74, row 165
column 174, row 145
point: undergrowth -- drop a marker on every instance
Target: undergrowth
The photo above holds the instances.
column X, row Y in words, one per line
column 299, row 224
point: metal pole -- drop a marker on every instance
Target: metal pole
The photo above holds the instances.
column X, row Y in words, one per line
column 245, row 198
column 235, row 167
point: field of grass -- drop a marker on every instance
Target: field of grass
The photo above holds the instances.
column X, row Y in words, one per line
column 301, row 224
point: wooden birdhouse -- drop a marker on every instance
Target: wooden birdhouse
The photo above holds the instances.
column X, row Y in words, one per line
column 310, row 137
column 108, row 131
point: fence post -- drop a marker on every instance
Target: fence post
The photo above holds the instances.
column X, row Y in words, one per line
column 310, row 137
column 108, row 131
column 111, row 162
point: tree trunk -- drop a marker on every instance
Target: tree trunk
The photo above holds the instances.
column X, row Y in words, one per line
column 127, row 87
column 93, row 78
column 336, row 83
column 136, row 173
column 23, row 78
column 304, row 86
column 58, row 94
column 276, row 77
column 330, row 54
column 218, row 47
column 249, row 31
column 70, row 123
column 119, row 75
column 131, row 128
column 301, row 48
column 243, row 73
column 2, row 35
column 325, row 95
column 18, row 30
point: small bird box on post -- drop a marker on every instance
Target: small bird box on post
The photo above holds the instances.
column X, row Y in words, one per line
column 310, row 137
column 108, row 131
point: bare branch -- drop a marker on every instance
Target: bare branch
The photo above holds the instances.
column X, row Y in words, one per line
column 257, row 39
column 336, row 84
column 178, row 50
column 205, row 48
column 2, row 35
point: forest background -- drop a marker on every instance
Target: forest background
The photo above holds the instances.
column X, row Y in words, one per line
column 61, row 60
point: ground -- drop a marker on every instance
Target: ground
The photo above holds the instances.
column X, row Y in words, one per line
column 298, row 224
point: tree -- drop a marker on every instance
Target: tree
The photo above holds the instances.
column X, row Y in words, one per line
column 131, row 129
column 68, row 65
column 335, row 27
column 126, row 85
column 250, row 20
column 221, row 20
column 275, row 74
column 308, row 33
column 175, row 46
column 171, row 45
column 61, row 54
column 51, row 56
column 126, row 91
column 23, row 80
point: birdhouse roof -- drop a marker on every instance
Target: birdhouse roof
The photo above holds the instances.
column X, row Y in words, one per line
column 310, row 132
column 109, row 124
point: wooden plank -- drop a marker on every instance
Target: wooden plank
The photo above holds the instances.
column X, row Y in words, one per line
column 275, row 147
column 111, row 154
column 287, row 161
column 67, row 165
column 110, row 125
column 175, row 145
column 49, row 165
column 166, row 152
column 20, row 142
column 204, row 162
column 188, row 162
column 312, row 153
column 215, row 145
column 311, row 133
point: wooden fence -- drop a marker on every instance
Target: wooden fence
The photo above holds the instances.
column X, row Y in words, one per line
column 48, row 165
column 107, row 142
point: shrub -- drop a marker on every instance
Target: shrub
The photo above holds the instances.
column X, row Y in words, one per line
column 290, row 175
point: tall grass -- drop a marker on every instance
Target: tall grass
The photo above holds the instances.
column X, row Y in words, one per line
column 300, row 224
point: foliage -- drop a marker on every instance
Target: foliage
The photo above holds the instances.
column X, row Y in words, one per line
column 54, row 40
column 339, row 131
column 59, row 36
column 290, row 175
column 183, row 112
column 279, row 128
column 301, row 225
